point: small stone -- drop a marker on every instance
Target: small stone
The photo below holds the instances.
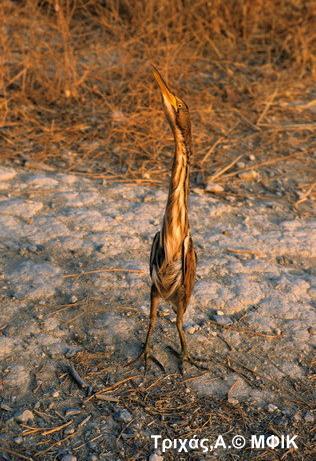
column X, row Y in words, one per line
column 155, row 457
column 312, row 293
column 272, row 408
column 309, row 417
column 18, row 440
column 69, row 457
column 191, row 327
column 214, row 188
column 93, row 458
column 72, row 411
column 5, row 407
column 232, row 401
column 240, row 165
column 73, row 299
column 222, row 319
column 6, row 174
column 164, row 313
column 56, row 394
column 252, row 157
column 297, row 416
column 24, row 417
column 198, row 191
column 6, row 346
column 69, row 430
column 249, row 175
column 123, row 416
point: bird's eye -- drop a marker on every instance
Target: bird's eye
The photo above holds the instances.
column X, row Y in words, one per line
column 179, row 105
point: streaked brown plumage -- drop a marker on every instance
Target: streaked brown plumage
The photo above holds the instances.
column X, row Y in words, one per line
column 173, row 258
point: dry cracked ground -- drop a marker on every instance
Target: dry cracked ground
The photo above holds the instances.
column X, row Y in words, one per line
column 75, row 299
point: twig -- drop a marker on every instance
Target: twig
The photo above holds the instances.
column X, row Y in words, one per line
column 113, row 387
column 76, row 377
column 267, row 106
column 245, row 252
column 305, row 196
column 211, row 149
column 15, row 453
column 252, row 125
column 95, row 271
column 227, row 167
column 265, row 163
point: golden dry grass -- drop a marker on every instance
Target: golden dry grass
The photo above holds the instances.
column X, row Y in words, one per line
column 77, row 94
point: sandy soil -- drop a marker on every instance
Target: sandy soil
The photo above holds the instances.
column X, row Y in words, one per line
column 75, row 293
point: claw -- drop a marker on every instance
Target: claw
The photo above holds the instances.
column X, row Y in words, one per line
column 147, row 355
column 195, row 361
column 185, row 357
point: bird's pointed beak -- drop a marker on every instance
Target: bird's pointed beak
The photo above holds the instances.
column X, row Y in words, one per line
column 166, row 93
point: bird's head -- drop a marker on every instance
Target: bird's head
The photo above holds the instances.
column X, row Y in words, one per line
column 176, row 110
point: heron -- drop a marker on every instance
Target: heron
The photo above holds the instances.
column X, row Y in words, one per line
column 173, row 258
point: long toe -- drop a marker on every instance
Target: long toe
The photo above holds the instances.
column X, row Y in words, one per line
column 196, row 361
column 148, row 357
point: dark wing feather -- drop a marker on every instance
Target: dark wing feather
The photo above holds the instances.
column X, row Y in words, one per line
column 154, row 252
column 188, row 268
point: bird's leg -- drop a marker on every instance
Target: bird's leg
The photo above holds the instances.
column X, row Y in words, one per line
column 147, row 351
column 186, row 357
column 154, row 303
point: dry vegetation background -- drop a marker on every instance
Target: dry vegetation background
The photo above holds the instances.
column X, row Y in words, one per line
column 77, row 94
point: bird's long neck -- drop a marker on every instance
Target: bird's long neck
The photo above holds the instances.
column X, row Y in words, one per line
column 176, row 220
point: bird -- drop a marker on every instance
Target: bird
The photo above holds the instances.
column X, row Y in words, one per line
column 173, row 259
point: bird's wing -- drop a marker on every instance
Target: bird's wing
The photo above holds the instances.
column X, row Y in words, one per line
column 154, row 252
column 188, row 266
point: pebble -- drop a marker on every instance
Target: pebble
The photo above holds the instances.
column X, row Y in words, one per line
column 249, row 175
column 240, row 164
column 214, row 188
column 69, row 458
column 309, row 417
column 297, row 416
column 164, row 313
column 155, row 457
column 198, row 190
column 272, row 408
column 191, row 330
column 24, row 417
column 123, row 416
column 18, row 440
column 222, row 319
column 6, row 174
column 6, row 346
column 72, row 411
column 5, row 407
column 252, row 157
column 69, row 430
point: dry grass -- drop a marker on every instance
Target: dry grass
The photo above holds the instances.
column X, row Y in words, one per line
column 76, row 91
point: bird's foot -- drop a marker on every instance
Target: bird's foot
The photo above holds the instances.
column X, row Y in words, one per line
column 186, row 358
column 147, row 356
column 194, row 360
